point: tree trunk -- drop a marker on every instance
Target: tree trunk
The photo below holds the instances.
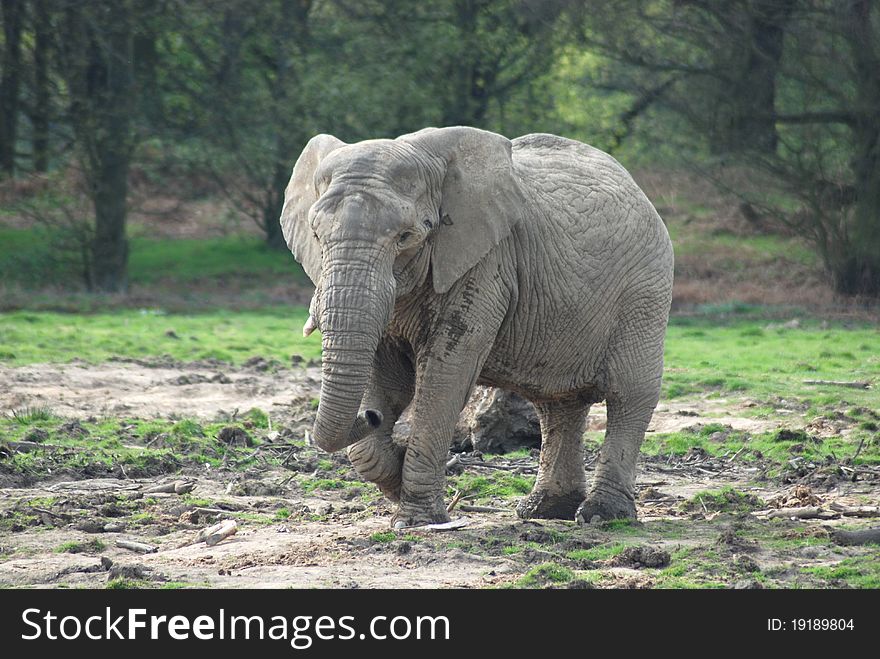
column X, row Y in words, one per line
column 274, row 202
column 748, row 97
column 97, row 50
column 41, row 112
column 13, row 18
column 859, row 273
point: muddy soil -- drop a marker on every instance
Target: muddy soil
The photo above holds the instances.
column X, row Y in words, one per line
column 289, row 535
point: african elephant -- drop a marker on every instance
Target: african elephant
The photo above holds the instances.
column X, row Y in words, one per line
column 453, row 256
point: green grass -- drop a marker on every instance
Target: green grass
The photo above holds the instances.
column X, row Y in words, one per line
column 600, row 553
column 776, row 447
column 726, row 499
column 495, row 484
column 86, row 547
column 142, row 448
column 31, row 337
column 28, row 259
column 766, row 361
column 383, row 537
column 545, row 575
column 855, row 572
column 31, row 416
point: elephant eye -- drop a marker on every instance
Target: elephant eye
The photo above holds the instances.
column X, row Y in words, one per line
column 404, row 237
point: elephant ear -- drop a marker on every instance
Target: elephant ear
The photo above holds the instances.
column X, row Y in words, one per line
column 480, row 202
column 299, row 197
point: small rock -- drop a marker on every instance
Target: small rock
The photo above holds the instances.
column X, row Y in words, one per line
column 106, row 562
column 90, row 526
column 403, row 547
column 36, row 435
column 745, row 564
column 73, row 429
column 234, row 436
column 642, row 556
column 126, row 572
column 748, row 584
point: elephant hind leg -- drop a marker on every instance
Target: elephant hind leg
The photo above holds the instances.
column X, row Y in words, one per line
column 635, row 370
column 561, row 483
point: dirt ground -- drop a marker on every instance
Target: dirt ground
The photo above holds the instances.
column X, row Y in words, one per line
column 289, row 536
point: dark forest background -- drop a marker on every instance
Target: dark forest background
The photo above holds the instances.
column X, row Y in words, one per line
column 105, row 106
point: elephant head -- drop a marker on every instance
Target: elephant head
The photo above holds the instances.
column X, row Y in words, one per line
column 370, row 222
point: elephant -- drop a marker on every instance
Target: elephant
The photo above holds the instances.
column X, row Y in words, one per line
column 455, row 256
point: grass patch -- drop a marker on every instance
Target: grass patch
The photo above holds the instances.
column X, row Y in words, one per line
column 600, row 553
column 855, row 572
column 312, row 484
column 86, row 547
column 29, row 416
column 126, row 584
column 495, row 485
column 547, row 574
column 31, row 337
column 712, row 354
column 727, row 499
column 101, row 447
column 383, row 537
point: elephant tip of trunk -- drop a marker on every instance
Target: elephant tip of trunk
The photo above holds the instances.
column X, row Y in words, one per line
column 373, row 417
column 366, row 422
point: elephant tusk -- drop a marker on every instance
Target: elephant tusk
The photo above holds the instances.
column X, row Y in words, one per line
column 310, row 326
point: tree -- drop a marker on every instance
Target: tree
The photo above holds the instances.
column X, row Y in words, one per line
column 830, row 138
column 715, row 63
column 244, row 95
column 40, row 111
column 13, row 14
column 95, row 47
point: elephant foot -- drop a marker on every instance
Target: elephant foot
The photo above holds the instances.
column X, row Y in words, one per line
column 379, row 461
column 541, row 504
column 606, row 506
column 419, row 513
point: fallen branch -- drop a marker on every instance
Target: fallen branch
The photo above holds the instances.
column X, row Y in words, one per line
column 139, row 547
column 177, row 487
column 858, row 511
column 808, row 512
column 863, row 537
column 467, row 508
column 455, row 499
column 217, row 533
column 839, row 383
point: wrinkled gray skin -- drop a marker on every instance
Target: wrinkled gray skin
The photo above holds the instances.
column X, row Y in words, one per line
column 454, row 256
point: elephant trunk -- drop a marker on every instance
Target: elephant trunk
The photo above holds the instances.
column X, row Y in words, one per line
column 355, row 308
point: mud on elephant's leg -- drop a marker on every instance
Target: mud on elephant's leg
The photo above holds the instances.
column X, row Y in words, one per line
column 377, row 458
column 561, row 484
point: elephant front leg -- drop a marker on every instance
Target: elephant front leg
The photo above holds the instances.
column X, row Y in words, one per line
column 444, row 379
